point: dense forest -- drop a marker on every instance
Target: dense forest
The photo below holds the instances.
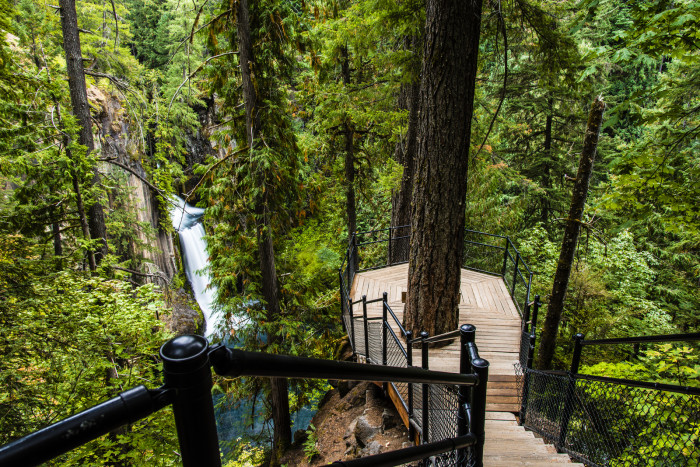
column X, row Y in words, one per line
column 294, row 123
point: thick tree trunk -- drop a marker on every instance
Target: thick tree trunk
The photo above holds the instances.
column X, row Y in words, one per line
column 571, row 234
column 437, row 211
column 81, row 110
column 279, row 396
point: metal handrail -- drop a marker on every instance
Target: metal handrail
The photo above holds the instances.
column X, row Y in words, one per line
column 187, row 363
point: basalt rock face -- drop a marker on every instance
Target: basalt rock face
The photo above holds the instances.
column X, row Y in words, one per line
column 122, row 143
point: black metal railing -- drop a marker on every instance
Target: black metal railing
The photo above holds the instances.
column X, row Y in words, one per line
column 187, row 364
column 483, row 252
column 605, row 421
column 433, row 410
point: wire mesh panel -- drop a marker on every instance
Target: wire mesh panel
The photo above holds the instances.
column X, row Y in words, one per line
column 524, row 348
column 359, row 330
column 443, row 405
column 610, row 424
column 374, row 329
column 372, row 249
column 399, row 246
column 483, row 252
column 545, row 403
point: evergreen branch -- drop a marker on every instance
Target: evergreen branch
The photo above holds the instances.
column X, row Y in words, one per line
column 133, row 172
column 142, row 274
column 116, row 81
column 199, row 68
column 210, row 168
column 177, row 49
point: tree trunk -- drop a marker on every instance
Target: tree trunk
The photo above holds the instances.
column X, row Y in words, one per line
column 405, row 154
column 348, row 132
column 437, row 211
column 571, row 234
column 279, row 396
column 81, row 110
column 547, row 169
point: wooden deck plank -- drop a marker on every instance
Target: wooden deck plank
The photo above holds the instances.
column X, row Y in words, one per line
column 486, row 303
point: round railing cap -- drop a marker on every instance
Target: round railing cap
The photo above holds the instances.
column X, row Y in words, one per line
column 183, row 348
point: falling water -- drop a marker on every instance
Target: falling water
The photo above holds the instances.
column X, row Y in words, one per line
column 187, row 221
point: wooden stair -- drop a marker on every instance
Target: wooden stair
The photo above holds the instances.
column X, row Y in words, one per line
column 485, row 303
column 508, row 444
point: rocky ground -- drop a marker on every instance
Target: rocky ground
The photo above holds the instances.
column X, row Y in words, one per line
column 354, row 420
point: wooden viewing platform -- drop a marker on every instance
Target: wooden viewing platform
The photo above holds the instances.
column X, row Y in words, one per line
column 486, row 304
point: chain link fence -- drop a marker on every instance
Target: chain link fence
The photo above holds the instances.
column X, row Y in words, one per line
column 603, row 423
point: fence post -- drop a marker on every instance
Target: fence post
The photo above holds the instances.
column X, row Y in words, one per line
column 426, row 388
column 505, row 259
column 481, row 368
column 526, row 318
column 351, row 331
column 535, row 311
column 515, row 274
column 186, row 369
column 364, row 318
column 466, row 334
column 530, row 359
column 409, row 389
column 569, row 402
column 385, row 324
column 342, row 299
column 390, row 260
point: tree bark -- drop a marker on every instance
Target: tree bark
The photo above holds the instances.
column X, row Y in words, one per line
column 547, row 169
column 279, row 396
column 571, row 234
column 405, row 154
column 437, row 212
column 81, row 110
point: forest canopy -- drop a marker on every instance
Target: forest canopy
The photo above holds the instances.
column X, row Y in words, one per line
column 296, row 123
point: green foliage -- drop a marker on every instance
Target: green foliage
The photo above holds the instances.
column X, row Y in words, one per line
column 664, row 363
column 310, row 447
column 69, row 342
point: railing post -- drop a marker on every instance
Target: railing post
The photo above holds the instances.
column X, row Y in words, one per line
column 390, row 260
column 351, row 331
column 515, row 274
column 530, row 360
column 467, row 333
column 364, row 318
column 385, row 324
column 535, row 311
column 481, row 368
column 505, row 259
column 342, row 299
column 186, row 369
column 409, row 389
column 569, row 402
column 526, row 318
column 426, row 388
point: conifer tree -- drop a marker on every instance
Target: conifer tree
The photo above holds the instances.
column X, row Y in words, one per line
column 452, row 31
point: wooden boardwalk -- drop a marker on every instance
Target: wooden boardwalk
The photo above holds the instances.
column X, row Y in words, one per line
column 485, row 303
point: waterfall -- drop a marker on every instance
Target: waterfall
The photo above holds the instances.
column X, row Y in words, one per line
column 187, row 222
